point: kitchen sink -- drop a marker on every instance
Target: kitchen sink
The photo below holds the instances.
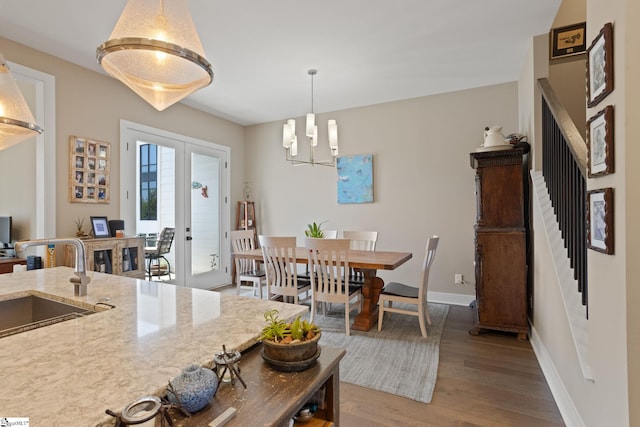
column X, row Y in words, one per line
column 30, row 312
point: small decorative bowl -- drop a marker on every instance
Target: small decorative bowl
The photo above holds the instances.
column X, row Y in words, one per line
column 304, row 415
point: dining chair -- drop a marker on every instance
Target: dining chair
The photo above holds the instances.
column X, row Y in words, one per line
column 158, row 252
column 279, row 254
column 327, row 234
column 246, row 269
column 329, row 260
column 398, row 292
column 361, row 241
column 330, row 234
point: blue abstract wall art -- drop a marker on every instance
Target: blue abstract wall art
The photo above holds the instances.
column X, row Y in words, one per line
column 355, row 179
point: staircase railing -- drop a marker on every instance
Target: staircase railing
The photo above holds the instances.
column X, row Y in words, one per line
column 564, row 167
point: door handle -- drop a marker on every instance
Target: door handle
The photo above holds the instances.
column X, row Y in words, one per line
column 189, row 238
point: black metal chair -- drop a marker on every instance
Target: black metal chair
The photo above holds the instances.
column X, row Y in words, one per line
column 154, row 254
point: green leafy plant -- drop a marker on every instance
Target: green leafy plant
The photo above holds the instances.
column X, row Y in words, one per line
column 279, row 331
column 314, row 230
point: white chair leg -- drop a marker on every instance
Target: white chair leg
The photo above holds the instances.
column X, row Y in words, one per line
column 347, row 308
column 426, row 311
column 380, row 314
column 423, row 329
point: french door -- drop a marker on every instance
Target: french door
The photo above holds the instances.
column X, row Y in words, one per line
column 180, row 182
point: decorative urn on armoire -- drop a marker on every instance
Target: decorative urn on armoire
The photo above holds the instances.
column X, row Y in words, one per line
column 501, row 239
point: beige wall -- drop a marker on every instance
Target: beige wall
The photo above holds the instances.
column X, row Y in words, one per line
column 631, row 153
column 613, row 296
column 607, row 276
column 423, row 183
column 90, row 104
column 566, row 75
column 18, row 188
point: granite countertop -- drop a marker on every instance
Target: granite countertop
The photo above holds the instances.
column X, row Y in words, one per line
column 69, row 373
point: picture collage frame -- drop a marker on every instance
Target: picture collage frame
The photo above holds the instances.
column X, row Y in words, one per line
column 89, row 170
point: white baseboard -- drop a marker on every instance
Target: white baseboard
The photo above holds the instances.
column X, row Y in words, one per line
column 452, row 299
column 566, row 407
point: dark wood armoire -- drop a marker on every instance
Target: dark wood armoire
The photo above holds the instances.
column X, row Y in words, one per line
column 501, row 240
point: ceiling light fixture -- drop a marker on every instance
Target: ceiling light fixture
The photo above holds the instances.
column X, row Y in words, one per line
column 157, row 53
column 290, row 140
column 16, row 119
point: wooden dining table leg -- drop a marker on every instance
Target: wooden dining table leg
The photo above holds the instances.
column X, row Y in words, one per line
column 371, row 292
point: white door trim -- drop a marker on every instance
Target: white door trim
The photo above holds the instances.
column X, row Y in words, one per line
column 45, row 116
column 128, row 130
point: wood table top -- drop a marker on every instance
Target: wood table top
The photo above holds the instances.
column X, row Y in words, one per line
column 375, row 260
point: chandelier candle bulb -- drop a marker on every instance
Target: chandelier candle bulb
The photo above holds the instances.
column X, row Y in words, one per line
column 287, row 134
column 333, row 137
column 311, row 121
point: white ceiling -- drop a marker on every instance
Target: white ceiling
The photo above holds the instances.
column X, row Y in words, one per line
column 366, row 51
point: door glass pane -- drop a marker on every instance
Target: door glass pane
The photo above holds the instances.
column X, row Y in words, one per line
column 156, row 200
column 205, row 214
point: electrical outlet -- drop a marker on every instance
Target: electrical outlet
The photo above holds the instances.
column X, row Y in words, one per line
column 458, row 278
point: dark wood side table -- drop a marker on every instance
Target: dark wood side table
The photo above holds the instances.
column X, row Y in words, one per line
column 6, row 264
column 272, row 397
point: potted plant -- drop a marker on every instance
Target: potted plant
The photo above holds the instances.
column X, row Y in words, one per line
column 314, row 230
column 79, row 224
column 289, row 346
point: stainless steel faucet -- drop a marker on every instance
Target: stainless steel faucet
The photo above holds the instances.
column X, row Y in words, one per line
column 81, row 280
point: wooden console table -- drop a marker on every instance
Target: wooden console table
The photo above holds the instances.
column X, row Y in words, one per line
column 272, row 397
column 6, row 264
column 123, row 256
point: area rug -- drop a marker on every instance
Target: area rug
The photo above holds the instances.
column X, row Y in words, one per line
column 397, row 360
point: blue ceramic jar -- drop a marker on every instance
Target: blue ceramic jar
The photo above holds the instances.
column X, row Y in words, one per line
column 194, row 388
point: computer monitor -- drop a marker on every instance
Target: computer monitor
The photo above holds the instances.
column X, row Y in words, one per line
column 5, row 231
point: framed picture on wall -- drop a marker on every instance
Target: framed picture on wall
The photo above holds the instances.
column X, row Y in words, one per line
column 600, row 66
column 569, row 40
column 89, row 170
column 600, row 143
column 600, row 220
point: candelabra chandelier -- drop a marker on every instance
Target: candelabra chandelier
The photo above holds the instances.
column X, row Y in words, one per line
column 290, row 140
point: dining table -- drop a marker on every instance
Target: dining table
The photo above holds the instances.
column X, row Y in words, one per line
column 368, row 263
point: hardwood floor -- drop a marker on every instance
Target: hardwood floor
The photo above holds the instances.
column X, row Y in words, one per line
column 487, row 380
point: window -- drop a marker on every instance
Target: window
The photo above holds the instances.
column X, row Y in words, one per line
column 148, row 182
